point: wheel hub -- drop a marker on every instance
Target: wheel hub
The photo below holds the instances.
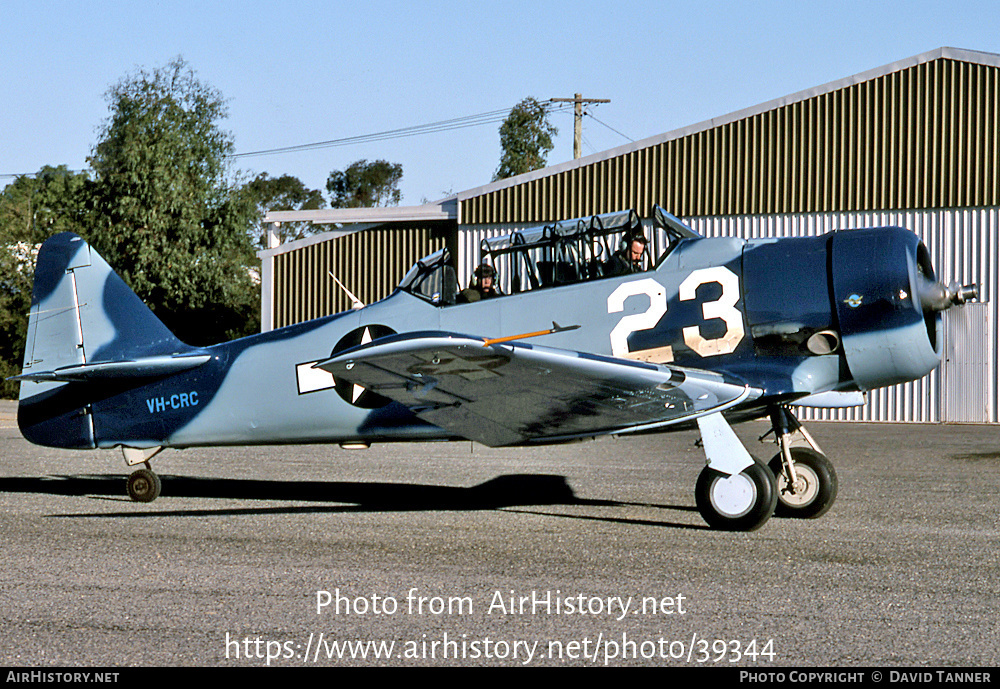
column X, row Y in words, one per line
column 734, row 496
column 803, row 491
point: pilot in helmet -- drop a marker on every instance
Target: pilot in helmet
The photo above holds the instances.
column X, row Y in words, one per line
column 628, row 259
column 482, row 285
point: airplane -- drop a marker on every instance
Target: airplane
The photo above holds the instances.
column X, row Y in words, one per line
column 692, row 332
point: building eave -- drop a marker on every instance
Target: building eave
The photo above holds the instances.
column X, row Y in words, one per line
column 446, row 209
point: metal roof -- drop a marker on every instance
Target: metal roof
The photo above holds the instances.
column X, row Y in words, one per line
column 356, row 220
column 972, row 56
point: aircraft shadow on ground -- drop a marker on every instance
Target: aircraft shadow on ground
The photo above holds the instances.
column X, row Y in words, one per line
column 978, row 456
column 506, row 491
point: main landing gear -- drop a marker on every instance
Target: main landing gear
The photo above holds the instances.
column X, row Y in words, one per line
column 734, row 492
column 798, row 482
column 807, row 483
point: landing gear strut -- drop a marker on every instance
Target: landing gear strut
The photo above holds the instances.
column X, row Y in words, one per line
column 807, row 483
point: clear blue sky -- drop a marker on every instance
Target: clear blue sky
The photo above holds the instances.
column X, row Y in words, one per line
column 302, row 72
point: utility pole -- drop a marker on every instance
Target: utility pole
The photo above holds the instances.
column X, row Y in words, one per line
column 578, row 102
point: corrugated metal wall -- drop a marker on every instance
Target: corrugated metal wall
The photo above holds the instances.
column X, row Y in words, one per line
column 369, row 263
column 964, row 245
column 921, row 137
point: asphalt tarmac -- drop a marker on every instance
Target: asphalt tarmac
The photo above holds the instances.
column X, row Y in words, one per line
column 453, row 554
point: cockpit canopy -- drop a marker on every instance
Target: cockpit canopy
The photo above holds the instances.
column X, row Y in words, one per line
column 562, row 253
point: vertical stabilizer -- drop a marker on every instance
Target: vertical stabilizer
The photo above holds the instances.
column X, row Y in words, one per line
column 81, row 313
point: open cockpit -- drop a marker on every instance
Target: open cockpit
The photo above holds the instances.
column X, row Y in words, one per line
column 557, row 254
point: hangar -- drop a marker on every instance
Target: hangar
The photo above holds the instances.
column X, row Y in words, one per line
column 913, row 143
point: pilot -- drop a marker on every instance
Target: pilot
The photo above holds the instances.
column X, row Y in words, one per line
column 483, row 285
column 628, row 259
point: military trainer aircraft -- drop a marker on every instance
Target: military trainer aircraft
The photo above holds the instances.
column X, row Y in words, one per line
column 671, row 330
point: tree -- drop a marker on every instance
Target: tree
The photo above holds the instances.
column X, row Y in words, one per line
column 525, row 139
column 364, row 185
column 164, row 211
column 285, row 193
column 32, row 208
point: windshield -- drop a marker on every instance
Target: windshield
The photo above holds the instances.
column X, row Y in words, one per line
column 432, row 278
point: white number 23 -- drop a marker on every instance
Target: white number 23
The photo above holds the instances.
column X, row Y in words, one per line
column 723, row 308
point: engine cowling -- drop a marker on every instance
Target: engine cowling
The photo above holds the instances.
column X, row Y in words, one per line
column 888, row 304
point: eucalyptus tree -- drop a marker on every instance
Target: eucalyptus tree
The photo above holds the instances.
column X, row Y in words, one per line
column 167, row 211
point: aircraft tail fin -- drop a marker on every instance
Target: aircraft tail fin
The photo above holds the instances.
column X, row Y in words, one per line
column 85, row 325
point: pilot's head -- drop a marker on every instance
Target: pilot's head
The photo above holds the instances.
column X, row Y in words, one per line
column 636, row 246
column 485, row 274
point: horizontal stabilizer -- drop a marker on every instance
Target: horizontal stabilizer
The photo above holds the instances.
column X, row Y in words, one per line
column 149, row 367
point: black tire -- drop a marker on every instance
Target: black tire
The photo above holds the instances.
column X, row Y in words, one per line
column 743, row 502
column 143, row 485
column 816, row 487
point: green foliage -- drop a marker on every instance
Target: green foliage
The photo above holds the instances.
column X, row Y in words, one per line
column 365, row 184
column 15, row 301
column 163, row 212
column 37, row 207
column 285, row 193
column 31, row 210
column 525, row 139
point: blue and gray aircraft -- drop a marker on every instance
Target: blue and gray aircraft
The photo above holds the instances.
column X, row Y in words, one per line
column 608, row 325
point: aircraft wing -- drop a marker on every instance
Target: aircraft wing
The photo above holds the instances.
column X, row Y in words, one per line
column 504, row 394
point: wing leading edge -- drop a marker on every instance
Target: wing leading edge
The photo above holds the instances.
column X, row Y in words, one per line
column 507, row 394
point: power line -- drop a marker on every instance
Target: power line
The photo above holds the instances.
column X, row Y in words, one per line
column 491, row 117
column 609, row 127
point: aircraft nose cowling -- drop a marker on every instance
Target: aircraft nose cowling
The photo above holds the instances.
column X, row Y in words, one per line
column 889, row 305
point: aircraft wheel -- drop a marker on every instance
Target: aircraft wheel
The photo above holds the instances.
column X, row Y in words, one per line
column 143, row 485
column 742, row 502
column 815, row 486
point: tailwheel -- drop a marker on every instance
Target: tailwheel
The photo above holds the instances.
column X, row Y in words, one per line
column 742, row 502
column 143, row 485
column 814, row 489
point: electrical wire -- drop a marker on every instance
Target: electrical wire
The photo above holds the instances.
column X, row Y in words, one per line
column 430, row 128
column 610, row 127
column 491, row 117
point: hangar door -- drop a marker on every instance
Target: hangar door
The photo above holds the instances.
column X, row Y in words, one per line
column 966, row 381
